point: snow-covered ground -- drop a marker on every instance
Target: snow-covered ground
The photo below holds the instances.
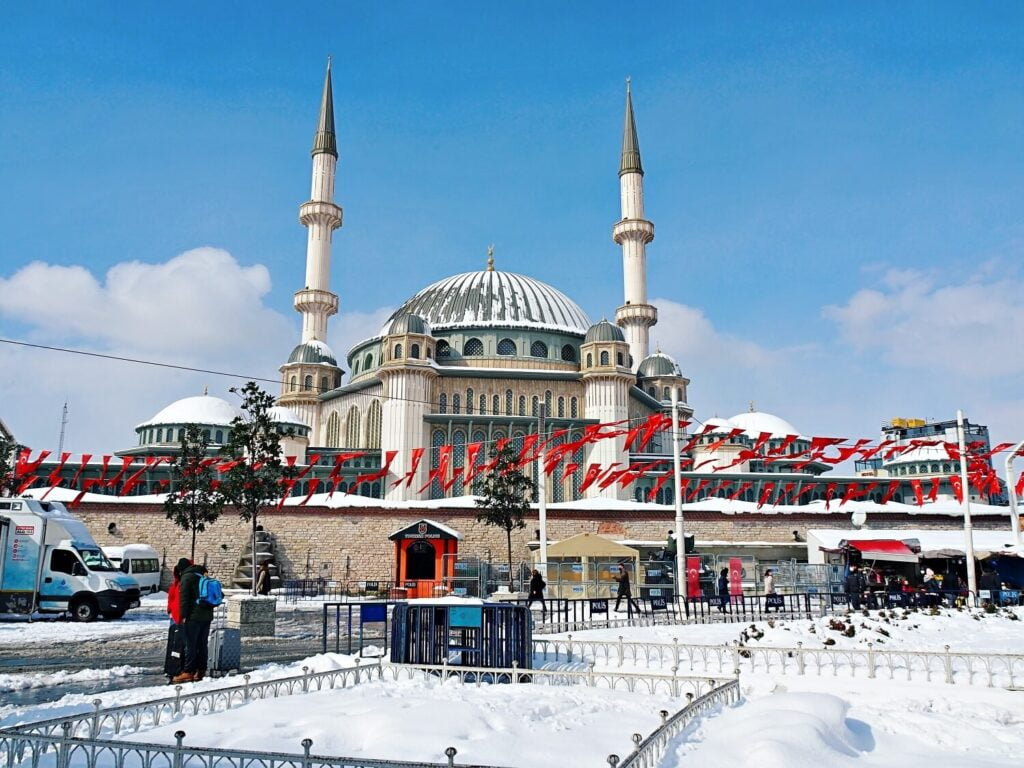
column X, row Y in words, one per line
column 19, row 682
column 148, row 620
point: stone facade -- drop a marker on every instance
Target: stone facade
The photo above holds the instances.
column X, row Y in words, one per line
column 355, row 540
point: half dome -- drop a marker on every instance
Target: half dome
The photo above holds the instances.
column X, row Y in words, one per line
column 604, row 331
column 658, row 364
column 405, row 323
column 496, row 299
column 202, row 409
column 283, row 415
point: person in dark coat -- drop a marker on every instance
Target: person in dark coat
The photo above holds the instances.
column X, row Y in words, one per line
column 197, row 618
column 263, row 579
column 625, row 592
column 854, row 587
column 723, row 589
column 537, row 585
column 174, row 591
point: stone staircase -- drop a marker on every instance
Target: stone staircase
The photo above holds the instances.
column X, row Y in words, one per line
column 243, row 576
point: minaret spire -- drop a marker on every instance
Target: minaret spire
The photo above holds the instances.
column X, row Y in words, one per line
column 633, row 232
column 325, row 140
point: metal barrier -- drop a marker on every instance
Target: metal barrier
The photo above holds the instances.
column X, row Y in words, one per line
column 650, row 751
column 951, row 667
column 376, row 614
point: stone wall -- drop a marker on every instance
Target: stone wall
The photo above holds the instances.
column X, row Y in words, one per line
column 355, row 540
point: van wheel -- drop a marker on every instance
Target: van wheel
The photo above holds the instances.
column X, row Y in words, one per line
column 83, row 609
column 113, row 615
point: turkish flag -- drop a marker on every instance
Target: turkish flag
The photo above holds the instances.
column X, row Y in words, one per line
column 416, row 456
column 958, row 487
column 918, row 492
column 380, row 473
column 890, row 491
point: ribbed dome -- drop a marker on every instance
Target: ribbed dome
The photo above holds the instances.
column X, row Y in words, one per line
column 313, row 352
column 203, row 409
column 658, row 364
column 405, row 323
column 495, row 299
column 603, row 331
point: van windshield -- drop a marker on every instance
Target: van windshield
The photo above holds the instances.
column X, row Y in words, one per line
column 94, row 559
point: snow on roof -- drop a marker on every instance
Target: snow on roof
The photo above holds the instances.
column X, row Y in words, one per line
column 202, row 409
column 440, row 526
column 756, row 422
column 284, row 415
column 932, row 541
column 719, row 424
column 923, row 453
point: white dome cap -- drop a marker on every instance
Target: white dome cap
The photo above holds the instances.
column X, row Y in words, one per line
column 202, row 409
column 720, row 425
column 284, row 415
column 756, row 422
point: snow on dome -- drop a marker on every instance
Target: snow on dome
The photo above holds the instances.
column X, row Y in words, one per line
column 756, row 422
column 720, row 425
column 313, row 351
column 202, row 409
column 658, row 364
column 495, row 299
column 283, row 415
column 919, row 454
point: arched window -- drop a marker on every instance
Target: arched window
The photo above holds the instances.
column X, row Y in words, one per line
column 352, row 428
column 618, row 358
column 495, row 405
column 414, row 351
column 506, row 347
column 604, row 358
column 534, row 406
column 398, row 352
column 373, row 425
column 443, row 349
column 479, row 437
column 368, row 361
column 569, row 353
column 307, row 383
column 522, row 405
column 456, row 403
column 538, row 349
column 160, row 435
column 333, row 431
column 561, row 407
column 668, row 393
column 473, row 348
column 590, row 360
column 469, row 400
column 442, row 406
column 508, row 402
column 294, row 384
column 483, row 403
column 935, row 467
column 574, row 411
column 652, row 392
column 323, row 383
column 355, row 368
column 219, row 437
column 430, row 353
column 437, row 439
column 547, row 403
column 679, row 395
column 945, row 468
column 206, row 435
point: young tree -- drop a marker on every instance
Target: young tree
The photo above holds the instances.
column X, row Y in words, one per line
column 194, row 503
column 255, row 441
column 8, row 459
column 505, row 496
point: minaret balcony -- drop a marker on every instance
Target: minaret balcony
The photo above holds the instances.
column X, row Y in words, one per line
column 313, row 300
column 636, row 314
column 320, row 212
column 630, row 228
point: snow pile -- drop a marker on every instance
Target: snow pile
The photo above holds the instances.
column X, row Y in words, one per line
column 20, row 682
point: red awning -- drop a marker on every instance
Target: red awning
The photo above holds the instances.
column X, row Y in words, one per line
column 884, row 549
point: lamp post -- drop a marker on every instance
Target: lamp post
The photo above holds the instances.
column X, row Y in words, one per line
column 680, row 533
column 1011, row 489
column 542, row 489
column 965, row 502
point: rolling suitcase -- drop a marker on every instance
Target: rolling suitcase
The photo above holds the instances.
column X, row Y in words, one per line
column 225, row 651
column 174, row 658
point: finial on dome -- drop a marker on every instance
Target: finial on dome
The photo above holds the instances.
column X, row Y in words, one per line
column 752, row 409
column 206, row 391
column 657, row 349
column 490, row 257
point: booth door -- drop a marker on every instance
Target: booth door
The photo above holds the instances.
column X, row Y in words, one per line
column 421, row 565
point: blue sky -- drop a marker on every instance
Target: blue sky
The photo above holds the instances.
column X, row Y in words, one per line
column 797, row 154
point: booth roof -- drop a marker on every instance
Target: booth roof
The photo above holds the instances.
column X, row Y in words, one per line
column 933, row 543
column 590, row 545
column 440, row 526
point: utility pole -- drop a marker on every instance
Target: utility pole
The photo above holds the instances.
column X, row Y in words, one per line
column 63, row 429
column 1011, row 490
column 965, row 495
column 542, row 488
column 678, row 495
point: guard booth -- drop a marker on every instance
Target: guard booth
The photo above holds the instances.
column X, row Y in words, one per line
column 462, row 632
column 423, row 553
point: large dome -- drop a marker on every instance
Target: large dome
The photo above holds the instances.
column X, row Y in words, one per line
column 756, row 422
column 202, row 409
column 497, row 299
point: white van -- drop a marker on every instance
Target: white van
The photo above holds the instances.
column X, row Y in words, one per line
column 140, row 561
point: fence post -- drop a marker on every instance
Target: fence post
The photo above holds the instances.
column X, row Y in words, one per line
column 179, row 736
column 568, row 648
column 675, row 651
column 621, row 650
column 63, row 748
column 245, row 686
column 734, row 649
column 515, row 672
column 637, row 738
column 949, row 666
column 800, row 661
column 590, row 674
column 664, row 717
column 450, row 753
column 871, row 661
column 613, row 760
column 305, row 679
column 94, row 729
column 177, row 699
column 306, row 744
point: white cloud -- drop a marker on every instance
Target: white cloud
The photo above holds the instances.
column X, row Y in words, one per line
column 201, row 309
column 350, row 328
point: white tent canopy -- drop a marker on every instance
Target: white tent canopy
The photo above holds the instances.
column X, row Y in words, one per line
column 948, row 543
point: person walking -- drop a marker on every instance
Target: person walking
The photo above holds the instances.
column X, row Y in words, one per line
column 854, row 587
column 723, row 589
column 537, row 585
column 625, row 591
column 197, row 617
column 263, row 579
column 771, row 598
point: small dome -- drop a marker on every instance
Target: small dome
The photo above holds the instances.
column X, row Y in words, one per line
column 315, row 352
column 406, row 323
column 203, row 409
column 603, row 331
column 286, row 416
column 756, row 422
column 658, row 364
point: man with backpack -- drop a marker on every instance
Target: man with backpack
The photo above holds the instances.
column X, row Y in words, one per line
column 199, row 594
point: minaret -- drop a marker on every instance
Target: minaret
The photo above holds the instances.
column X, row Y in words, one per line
column 633, row 232
column 321, row 217
column 312, row 367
